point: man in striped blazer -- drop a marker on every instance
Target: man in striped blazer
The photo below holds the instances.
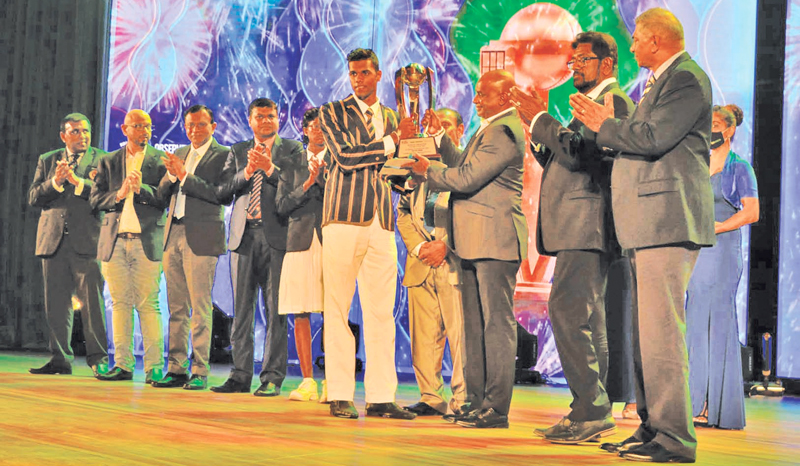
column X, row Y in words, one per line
column 358, row 227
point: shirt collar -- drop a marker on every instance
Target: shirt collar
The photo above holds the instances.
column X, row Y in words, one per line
column 661, row 69
column 318, row 156
column 595, row 92
column 376, row 107
column 267, row 142
column 201, row 151
column 489, row 120
column 133, row 154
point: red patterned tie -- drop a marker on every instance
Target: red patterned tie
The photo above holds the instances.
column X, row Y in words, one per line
column 254, row 206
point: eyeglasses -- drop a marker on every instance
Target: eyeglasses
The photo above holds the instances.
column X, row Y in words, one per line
column 582, row 60
column 139, row 126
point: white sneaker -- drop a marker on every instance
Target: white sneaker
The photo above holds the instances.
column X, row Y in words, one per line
column 324, row 397
column 307, row 391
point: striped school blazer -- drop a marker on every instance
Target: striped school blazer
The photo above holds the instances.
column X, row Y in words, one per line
column 354, row 192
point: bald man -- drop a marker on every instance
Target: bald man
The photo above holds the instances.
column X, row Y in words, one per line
column 490, row 237
column 663, row 210
column 131, row 244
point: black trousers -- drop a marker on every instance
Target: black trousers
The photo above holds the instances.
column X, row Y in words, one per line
column 66, row 273
column 258, row 265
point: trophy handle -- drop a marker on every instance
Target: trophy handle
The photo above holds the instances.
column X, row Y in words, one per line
column 431, row 92
column 399, row 92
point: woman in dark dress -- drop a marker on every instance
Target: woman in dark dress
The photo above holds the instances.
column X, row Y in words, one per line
column 715, row 368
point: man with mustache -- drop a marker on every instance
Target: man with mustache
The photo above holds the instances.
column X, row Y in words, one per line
column 66, row 240
column 258, row 243
column 575, row 225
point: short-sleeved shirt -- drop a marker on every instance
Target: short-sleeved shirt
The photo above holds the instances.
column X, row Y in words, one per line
column 738, row 180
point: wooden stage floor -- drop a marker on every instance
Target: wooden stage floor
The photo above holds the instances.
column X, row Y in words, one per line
column 76, row 420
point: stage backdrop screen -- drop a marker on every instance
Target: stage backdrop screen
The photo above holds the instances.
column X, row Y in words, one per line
column 166, row 55
column 788, row 334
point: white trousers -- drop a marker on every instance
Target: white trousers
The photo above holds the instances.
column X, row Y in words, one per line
column 369, row 254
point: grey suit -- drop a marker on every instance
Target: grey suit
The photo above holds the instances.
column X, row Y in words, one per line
column 258, row 249
column 490, row 236
column 192, row 245
column 66, row 240
column 664, row 212
column 434, row 300
column 575, row 225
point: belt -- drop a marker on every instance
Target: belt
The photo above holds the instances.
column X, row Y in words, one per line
column 177, row 221
column 129, row 235
column 254, row 223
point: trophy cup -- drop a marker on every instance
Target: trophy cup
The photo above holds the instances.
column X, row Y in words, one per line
column 414, row 76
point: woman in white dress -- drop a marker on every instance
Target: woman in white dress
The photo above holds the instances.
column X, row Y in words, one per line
column 300, row 194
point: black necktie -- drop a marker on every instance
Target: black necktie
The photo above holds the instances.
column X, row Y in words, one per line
column 72, row 160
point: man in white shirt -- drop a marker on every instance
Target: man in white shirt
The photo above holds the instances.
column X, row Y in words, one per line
column 66, row 240
column 193, row 241
column 575, row 225
column 358, row 227
column 490, row 236
column 132, row 243
column 663, row 210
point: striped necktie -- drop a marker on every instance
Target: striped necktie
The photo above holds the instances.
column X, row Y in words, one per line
column 648, row 85
column 254, row 206
column 370, row 127
column 72, row 160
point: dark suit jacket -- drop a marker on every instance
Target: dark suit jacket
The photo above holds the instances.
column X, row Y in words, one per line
column 237, row 189
column 486, row 185
column 148, row 205
column 575, row 195
column 660, row 188
column 354, row 190
column 304, row 208
column 204, row 215
column 64, row 210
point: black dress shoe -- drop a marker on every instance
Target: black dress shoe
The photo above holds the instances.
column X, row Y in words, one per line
column 171, row 380
column 618, row 447
column 486, row 419
column 583, row 431
column 52, row 368
column 232, row 386
column 197, row 382
column 267, row 389
column 389, row 411
column 460, row 413
column 423, row 409
column 344, row 409
column 655, row 453
column 99, row 369
column 116, row 374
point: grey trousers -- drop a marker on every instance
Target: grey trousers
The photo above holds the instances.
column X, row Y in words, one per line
column 189, row 281
column 661, row 361
column 490, row 332
column 577, row 312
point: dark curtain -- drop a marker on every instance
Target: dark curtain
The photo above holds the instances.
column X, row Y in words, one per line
column 52, row 62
